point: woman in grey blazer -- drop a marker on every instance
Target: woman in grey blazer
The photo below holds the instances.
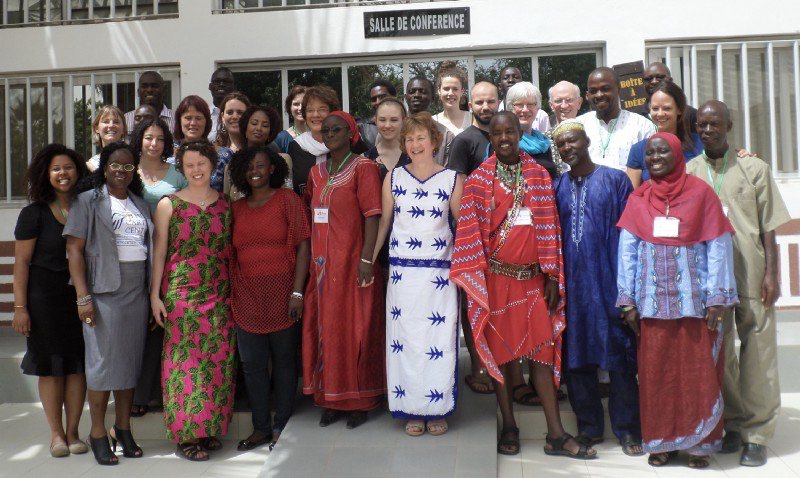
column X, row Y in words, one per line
column 109, row 246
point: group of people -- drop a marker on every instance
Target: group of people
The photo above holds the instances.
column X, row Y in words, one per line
column 208, row 231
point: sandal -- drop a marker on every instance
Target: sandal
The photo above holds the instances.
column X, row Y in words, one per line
column 139, row 410
column 437, row 427
column 557, row 448
column 661, row 459
column 588, row 440
column 210, row 443
column 698, row 461
column 481, row 383
column 530, row 398
column 192, row 451
column 509, row 441
column 631, row 446
column 102, row 451
column 129, row 447
column 415, row 428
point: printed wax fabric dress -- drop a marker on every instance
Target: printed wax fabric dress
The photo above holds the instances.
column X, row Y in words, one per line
column 421, row 302
column 199, row 340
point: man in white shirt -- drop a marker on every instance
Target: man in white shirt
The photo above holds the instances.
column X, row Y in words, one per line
column 221, row 85
column 611, row 130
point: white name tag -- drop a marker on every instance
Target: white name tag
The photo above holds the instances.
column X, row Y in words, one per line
column 524, row 217
column 320, row 215
column 666, row 227
column 725, row 210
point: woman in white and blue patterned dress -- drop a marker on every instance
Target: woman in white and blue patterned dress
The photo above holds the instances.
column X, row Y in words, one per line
column 419, row 201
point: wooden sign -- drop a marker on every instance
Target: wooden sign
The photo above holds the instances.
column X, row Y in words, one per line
column 632, row 95
column 426, row 22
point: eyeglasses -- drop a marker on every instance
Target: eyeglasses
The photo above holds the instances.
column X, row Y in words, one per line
column 121, row 167
column 562, row 101
column 522, row 106
column 318, row 111
column 334, row 130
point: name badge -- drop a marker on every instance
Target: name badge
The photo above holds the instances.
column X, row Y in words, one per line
column 320, row 215
column 666, row 227
column 524, row 217
column 725, row 210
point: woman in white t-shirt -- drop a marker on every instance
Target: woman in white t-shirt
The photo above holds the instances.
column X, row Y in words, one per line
column 451, row 86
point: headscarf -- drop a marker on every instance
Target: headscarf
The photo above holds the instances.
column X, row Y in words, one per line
column 351, row 123
column 689, row 198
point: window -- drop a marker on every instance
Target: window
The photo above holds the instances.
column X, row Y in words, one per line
column 36, row 111
column 759, row 80
column 38, row 12
column 237, row 6
column 269, row 83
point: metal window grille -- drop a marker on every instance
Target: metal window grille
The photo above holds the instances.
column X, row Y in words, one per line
column 22, row 13
column 758, row 79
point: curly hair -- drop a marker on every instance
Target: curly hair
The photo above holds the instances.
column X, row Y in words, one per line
column 199, row 104
column 287, row 105
column 273, row 117
column 384, row 83
column 325, row 94
column 138, row 136
column 241, row 161
column 449, row 69
column 38, row 175
column 107, row 110
column 424, row 121
column 202, row 146
column 223, row 138
column 98, row 177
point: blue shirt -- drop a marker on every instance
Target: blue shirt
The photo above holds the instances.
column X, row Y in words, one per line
column 636, row 155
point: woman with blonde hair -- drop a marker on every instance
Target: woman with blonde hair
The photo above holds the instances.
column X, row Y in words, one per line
column 108, row 127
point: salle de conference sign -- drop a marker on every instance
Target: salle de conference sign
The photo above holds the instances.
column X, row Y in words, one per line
column 432, row 21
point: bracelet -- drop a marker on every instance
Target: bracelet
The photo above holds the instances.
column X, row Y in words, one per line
column 553, row 278
column 85, row 300
column 366, row 261
column 20, row 306
column 628, row 307
column 296, row 295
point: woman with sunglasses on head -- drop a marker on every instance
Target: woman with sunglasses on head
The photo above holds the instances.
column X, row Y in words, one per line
column 343, row 319
column 109, row 248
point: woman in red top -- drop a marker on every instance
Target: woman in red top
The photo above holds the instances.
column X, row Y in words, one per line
column 268, row 276
column 343, row 329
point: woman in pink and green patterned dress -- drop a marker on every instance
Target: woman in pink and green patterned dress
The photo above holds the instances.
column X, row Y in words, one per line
column 190, row 298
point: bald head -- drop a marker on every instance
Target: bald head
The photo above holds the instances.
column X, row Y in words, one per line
column 713, row 124
column 654, row 75
column 565, row 100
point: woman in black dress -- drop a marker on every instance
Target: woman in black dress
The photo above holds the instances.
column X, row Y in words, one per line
column 44, row 302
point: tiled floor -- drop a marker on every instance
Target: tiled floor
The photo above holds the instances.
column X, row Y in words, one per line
column 783, row 458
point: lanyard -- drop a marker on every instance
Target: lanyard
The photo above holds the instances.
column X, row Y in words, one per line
column 333, row 176
column 718, row 186
column 604, row 145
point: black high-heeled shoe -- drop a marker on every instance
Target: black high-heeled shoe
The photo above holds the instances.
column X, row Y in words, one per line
column 129, row 447
column 102, row 452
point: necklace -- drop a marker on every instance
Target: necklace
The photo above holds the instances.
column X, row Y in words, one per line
column 61, row 210
column 508, row 174
column 202, row 202
column 296, row 133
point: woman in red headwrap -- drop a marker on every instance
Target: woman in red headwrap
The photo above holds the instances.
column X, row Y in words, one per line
column 675, row 277
column 343, row 329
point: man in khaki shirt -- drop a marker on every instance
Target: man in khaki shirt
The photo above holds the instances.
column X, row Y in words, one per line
column 752, row 202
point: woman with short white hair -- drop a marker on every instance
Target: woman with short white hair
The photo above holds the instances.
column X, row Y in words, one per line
column 530, row 95
column 524, row 100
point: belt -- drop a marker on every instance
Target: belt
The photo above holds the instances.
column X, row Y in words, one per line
column 515, row 271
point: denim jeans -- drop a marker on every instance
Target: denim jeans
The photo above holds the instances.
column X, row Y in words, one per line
column 256, row 351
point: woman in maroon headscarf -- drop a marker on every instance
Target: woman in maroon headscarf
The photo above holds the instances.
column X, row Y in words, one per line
column 343, row 329
column 675, row 277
